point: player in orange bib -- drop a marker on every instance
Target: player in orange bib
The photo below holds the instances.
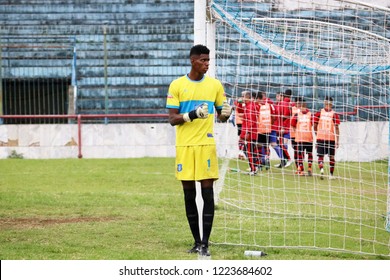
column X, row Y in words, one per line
column 302, row 122
column 326, row 127
column 266, row 115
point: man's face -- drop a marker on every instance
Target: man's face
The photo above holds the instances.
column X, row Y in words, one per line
column 200, row 63
column 328, row 104
column 247, row 97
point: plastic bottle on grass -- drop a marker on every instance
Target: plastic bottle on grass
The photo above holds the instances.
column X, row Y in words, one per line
column 254, row 253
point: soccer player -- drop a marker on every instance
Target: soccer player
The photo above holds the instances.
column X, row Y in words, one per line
column 280, row 134
column 275, row 130
column 285, row 115
column 302, row 122
column 266, row 113
column 326, row 127
column 191, row 102
column 294, row 111
column 249, row 132
column 239, row 106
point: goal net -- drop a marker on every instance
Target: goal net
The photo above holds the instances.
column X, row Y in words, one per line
column 317, row 49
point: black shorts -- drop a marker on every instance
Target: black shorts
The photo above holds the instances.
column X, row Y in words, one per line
column 263, row 139
column 239, row 127
column 304, row 146
column 326, row 147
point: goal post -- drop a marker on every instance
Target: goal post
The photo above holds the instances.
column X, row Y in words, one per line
column 318, row 49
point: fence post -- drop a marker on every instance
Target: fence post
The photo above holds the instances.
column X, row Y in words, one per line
column 105, row 72
column 1, row 80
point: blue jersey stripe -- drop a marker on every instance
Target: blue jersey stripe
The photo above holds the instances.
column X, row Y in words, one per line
column 187, row 106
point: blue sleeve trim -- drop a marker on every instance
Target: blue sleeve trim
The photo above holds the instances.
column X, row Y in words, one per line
column 172, row 107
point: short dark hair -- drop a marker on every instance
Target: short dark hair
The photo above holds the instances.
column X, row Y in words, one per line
column 299, row 99
column 328, row 98
column 287, row 92
column 254, row 95
column 198, row 50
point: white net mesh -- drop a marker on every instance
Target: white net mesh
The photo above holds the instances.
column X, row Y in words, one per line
column 318, row 49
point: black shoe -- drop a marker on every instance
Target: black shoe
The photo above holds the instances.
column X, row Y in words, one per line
column 204, row 251
column 195, row 249
column 283, row 163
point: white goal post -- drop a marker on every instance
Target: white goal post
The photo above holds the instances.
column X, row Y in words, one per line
column 318, row 49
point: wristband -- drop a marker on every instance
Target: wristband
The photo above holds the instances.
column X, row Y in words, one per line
column 192, row 115
column 186, row 118
column 189, row 117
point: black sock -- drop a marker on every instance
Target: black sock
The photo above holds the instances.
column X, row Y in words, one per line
column 208, row 213
column 192, row 213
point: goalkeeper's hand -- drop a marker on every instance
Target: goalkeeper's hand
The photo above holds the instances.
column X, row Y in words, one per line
column 226, row 110
column 202, row 112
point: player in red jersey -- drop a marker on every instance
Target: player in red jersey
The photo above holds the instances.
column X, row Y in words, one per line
column 249, row 132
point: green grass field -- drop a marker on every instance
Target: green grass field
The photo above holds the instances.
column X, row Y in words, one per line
column 277, row 208
column 112, row 209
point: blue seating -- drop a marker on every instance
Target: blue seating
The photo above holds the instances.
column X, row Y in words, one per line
column 147, row 45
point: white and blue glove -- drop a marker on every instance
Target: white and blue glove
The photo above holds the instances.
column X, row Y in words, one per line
column 226, row 110
column 202, row 112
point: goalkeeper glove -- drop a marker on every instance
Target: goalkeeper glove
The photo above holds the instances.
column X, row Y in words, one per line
column 202, row 112
column 226, row 110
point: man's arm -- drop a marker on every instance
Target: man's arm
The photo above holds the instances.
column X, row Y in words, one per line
column 337, row 128
column 174, row 117
column 294, row 120
column 202, row 112
column 315, row 121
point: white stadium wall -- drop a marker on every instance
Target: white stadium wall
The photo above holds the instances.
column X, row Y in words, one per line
column 359, row 141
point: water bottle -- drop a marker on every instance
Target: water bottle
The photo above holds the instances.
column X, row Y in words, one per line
column 234, row 169
column 254, row 253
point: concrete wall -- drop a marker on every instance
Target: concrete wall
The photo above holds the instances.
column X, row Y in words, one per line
column 359, row 141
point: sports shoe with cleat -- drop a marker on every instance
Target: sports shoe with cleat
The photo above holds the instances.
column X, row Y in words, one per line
column 241, row 155
column 204, row 251
column 322, row 174
column 288, row 163
column 282, row 163
column 300, row 172
column 195, row 249
column 332, row 177
column 309, row 172
column 252, row 173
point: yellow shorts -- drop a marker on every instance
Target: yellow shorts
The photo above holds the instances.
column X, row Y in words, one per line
column 195, row 163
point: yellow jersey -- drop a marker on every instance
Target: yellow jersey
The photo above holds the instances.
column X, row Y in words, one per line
column 186, row 95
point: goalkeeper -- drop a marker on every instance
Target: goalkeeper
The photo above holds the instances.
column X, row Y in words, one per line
column 191, row 101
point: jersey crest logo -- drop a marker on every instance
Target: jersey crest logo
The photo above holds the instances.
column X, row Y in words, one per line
column 179, row 167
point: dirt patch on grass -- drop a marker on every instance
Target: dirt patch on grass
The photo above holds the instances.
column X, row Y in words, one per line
column 44, row 222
